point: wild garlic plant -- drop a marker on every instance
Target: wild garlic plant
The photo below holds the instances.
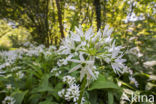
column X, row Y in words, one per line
column 86, row 48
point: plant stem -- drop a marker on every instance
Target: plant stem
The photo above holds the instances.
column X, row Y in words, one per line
column 83, row 86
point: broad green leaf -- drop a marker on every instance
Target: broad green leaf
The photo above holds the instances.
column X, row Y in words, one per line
column 19, row 96
column 103, row 83
column 29, row 81
column 58, row 87
column 43, row 85
column 34, row 98
column 47, row 102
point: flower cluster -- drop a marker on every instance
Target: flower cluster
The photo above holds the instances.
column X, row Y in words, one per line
column 20, row 74
column 71, row 93
column 85, row 48
column 10, row 57
column 56, row 71
column 9, row 86
column 8, row 100
column 69, row 80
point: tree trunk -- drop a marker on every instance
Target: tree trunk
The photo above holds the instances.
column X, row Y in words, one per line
column 60, row 17
column 98, row 13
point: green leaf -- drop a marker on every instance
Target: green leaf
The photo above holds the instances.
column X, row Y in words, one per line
column 19, row 96
column 103, row 83
column 47, row 102
column 43, row 85
column 110, row 98
column 29, row 81
column 34, row 98
column 93, row 97
column 58, row 87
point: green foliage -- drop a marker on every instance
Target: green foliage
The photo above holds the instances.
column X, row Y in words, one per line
column 109, row 86
column 37, row 85
column 4, row 48
column 103, row 83
column 19, row 96
column 39, row 20
column 12, row 36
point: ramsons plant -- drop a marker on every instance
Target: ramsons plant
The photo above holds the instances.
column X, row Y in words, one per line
column 84, row 70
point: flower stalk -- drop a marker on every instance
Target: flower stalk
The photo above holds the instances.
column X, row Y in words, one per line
column 83, row 86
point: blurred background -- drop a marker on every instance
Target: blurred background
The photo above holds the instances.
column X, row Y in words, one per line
column 48, row 21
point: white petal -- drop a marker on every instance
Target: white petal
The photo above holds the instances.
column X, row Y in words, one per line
column 98, row 35
column 89, row 62
column 75, row 37
column 82, row 74
column 75, row 68
column 88, row 33
column 105, row 30
column 91, row 73
column 81, row 57
column 79, row 30
column 76, row 61
column 109, row 32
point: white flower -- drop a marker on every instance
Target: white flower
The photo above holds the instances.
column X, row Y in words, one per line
column 96, row 74
column 28, row 44
column 4, row 65
column 108, row 39
column 96, row 37
column 83, row 100
column 107, row 31
column 116, row 60
column 69, row 47
column 64, row 61
column 115, row 51
column 72, row 93
column 75, row 37
column 118, row 65
column 61, row 93
column 11, row 56
column 20, row 75
column 133, row 80
column 56, row 71
column 15, row 68
column 69, row 79
column 89, row 34
column 86, row 66
column 92, row 46
column 150, row 63
column 53, row 70
column 8, row 100
column 8, row 86
column 135, row 51
column 52, row 47
column 79, row 30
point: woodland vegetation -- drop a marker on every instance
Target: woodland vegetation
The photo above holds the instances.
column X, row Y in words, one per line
column 103, row 50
